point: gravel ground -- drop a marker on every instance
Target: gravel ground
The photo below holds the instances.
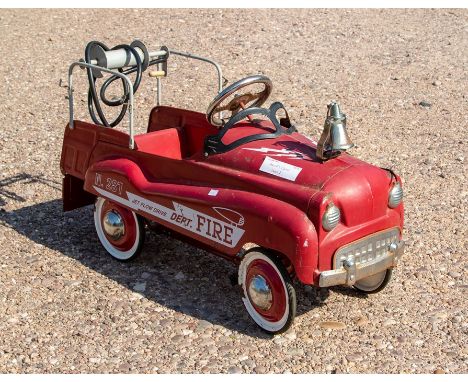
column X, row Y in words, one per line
column 65, row 306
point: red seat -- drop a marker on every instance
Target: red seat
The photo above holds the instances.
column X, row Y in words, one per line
column 166, row 143
column 192, row 126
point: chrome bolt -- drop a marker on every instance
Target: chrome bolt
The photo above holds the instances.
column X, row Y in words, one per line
column 348, row 264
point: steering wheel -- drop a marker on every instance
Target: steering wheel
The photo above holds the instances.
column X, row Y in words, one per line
column 240, row 101
column 214, row 143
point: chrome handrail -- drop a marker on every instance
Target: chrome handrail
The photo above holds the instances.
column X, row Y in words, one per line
column 118, row 74
column 215, row 64
column 129, row 83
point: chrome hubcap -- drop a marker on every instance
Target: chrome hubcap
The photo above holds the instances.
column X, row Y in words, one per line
column 114, row 225
column 260, row 293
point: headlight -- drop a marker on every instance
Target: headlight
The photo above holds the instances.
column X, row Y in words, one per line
column 331, row 217
column 395, row 196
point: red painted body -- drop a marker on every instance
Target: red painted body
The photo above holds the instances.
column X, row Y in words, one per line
column 224, row 201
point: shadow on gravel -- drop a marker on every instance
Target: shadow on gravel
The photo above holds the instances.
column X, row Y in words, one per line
column 22, row 178
column 176, row 275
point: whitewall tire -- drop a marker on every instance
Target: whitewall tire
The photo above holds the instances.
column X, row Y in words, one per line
column 374, row 283
column 120, row 231
column 269, row 297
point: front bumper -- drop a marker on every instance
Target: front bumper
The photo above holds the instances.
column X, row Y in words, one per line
column 374, row 254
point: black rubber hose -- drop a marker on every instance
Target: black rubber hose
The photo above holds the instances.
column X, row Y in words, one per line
column 126, row 72
column 92, row 96
column 93, row 100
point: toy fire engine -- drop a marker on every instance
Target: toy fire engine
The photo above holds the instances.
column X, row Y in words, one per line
column 236, row 177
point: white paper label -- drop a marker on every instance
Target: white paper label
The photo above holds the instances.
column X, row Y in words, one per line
column 281, row 169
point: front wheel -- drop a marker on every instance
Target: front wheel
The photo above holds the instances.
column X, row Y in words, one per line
column 121, row 231
column 374, row 283
column 269, row 297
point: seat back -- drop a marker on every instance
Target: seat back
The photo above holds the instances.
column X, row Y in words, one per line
column 191, row 125
column 166, row 143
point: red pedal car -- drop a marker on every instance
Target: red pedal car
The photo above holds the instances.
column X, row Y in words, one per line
column 239, row 181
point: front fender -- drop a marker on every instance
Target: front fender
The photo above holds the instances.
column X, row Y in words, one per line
column 224, row 219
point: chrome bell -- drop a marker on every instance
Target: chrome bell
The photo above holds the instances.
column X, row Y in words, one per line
column 334, row 138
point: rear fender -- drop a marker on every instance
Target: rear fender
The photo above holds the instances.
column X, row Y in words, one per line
column 73, row 194
column 223, row 219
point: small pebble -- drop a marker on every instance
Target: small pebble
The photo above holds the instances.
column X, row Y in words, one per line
column 139, row 287
column 260, row 370
column 356, row 357
column 425, row 104
column 334, row 325
column 234, row 370
column 362, row 321
column 203, row 324
column 389, row 322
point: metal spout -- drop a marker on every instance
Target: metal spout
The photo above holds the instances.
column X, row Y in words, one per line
column 334, row 139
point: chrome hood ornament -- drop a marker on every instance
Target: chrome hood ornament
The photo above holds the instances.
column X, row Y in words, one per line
column 334, row 138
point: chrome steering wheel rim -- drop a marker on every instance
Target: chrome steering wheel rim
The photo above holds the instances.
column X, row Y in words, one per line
column 231, row 89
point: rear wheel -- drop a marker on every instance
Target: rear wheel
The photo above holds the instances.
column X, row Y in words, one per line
column 120, row 230
column 269, row 297
column 374, row 283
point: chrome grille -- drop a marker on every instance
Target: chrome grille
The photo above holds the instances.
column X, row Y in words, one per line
column 367, row 249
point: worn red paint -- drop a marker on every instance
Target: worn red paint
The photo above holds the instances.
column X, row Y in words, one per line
column 168, row 170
